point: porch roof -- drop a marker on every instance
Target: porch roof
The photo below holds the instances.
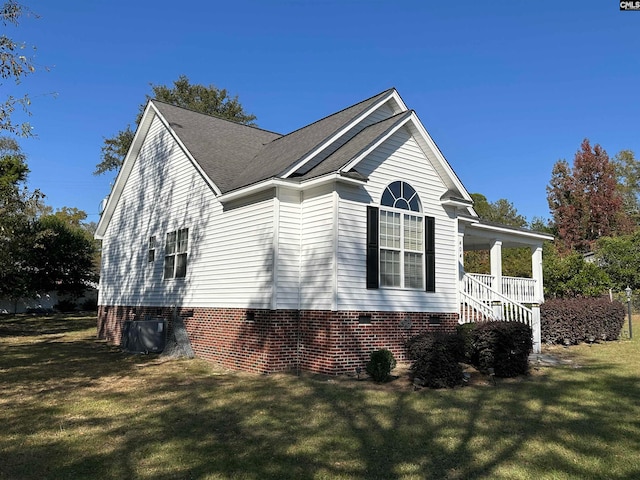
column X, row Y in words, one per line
column 478, row 234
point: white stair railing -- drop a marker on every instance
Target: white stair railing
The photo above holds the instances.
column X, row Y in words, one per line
column 481, row 302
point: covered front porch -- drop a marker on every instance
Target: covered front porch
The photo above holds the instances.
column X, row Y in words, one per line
column 493, row 296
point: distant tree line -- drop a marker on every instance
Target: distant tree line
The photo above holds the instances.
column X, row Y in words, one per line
column 595, row 218
column 40, row 250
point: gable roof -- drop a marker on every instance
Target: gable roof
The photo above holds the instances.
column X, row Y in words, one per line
column 289, row 151
column 356, row 145
column 234, row 157
column 221, row 147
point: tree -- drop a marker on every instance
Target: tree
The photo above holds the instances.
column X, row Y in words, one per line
column 584, row 200
column 618, row 256
column 16, row 233
column 61, row 257
column 569, row 275
column 38, row 253
column 516, row 261
column 208, row 100
column 75, row 219
column 14, row 65
column 501, row 211
column 627, row 169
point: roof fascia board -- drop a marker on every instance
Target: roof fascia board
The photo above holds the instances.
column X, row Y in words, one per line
column 444, row 164
column 292, row 184
column 307, row 158
column 455, row 203
column 505, row 230
column 349, row 166
column 415, row 121
column 150, row 112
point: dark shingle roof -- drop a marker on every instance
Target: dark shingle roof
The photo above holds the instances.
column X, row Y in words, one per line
column 235, row 155
column 284, row 152
column 222, row 148
column 358, row 144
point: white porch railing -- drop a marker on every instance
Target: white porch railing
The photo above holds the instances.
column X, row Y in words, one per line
column 480, row 302
column 518, row 289
column 522, row 290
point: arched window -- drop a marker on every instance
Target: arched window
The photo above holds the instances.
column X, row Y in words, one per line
column 400, row 244
column 401, row 195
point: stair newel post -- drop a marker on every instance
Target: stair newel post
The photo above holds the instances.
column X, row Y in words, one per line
column 536, row 327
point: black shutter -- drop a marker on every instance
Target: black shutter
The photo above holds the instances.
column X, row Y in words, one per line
column 372, row 247
column 430, row 253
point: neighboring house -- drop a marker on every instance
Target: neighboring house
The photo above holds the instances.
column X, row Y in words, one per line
column 302, row 251
column 48, row 301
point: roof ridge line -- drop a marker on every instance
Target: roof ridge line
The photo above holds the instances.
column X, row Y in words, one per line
column 335, row 113
column 216, row 116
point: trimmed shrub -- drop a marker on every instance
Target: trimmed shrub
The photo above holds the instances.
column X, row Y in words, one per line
column 569, row 321
column 435, row 359
column 503, row 347
column 465, row 332
column 89, row 305
column 380, row 365
column 65, row 306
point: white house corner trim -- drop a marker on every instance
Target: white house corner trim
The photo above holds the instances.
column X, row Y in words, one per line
column 336, row 245
column 275, row 248
column 125, row 170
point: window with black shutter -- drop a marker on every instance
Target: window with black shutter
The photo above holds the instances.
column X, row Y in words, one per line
column 400, row 241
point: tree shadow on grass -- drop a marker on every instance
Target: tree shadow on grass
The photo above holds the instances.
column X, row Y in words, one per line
column 72, row 407
column 25, row 325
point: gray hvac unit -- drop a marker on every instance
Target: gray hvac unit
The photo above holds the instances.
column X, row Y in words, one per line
column 144, row 336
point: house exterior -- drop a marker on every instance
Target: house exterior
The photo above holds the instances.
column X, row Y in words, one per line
column 304, row 251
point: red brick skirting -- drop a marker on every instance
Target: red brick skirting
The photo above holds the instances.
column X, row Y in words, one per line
column 268, row 341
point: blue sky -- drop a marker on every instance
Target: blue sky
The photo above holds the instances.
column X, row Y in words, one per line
column 504, row 88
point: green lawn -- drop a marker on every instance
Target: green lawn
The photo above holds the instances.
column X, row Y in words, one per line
column 72, row 407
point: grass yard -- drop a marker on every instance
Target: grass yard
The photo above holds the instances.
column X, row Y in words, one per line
column 72, row 407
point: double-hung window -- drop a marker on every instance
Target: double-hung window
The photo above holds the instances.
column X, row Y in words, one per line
column 400, row 241
column 175, row 253
column 151, row 255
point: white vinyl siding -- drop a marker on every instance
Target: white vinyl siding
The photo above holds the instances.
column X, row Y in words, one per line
column 317, row 254
column 398, row 158
column 230, row 258
column 284, row 249
column 288, row 245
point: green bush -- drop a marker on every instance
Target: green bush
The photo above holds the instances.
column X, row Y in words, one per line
column 380, row 365
column 465, row 332
column 569, row 321
column 89, row 305
column 435, row 358
column 65, row 306
column 503, row 347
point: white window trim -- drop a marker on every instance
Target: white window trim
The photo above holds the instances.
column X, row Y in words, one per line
column 403, row 213
column 178, row 251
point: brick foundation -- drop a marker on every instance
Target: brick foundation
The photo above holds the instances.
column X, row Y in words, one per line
column 269, row 341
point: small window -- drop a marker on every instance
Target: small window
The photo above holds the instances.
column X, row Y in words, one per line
column 175, row 254
column 151, row 257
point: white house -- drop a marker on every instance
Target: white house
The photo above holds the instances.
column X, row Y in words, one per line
column 300, row 251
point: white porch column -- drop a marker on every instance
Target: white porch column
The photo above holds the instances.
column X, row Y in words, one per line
column 460, row 255
column 536, row 273
column 536, row 328
column 495, row 254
